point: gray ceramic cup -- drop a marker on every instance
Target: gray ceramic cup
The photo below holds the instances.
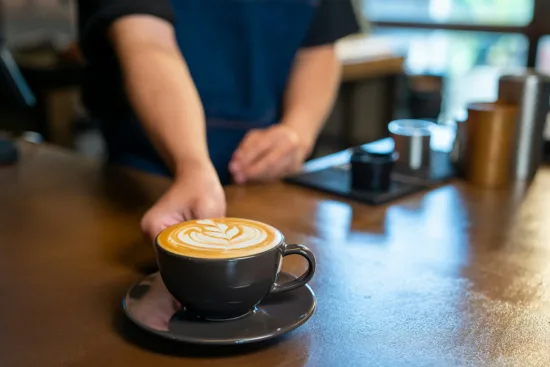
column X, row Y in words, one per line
column 228, row 288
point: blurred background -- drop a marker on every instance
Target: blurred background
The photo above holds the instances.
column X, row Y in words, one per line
column 415, row 58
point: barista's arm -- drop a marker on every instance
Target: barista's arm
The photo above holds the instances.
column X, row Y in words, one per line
column 280, row 150
column 311, row 92
column 160, row 88
column 316, row 74
column 140, row 35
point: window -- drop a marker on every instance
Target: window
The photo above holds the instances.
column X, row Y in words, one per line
column 455, row 52
column 488, row 12
column 470, row 61
column 469, row 43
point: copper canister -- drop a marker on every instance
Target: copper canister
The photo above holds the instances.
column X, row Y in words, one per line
column 490, row 144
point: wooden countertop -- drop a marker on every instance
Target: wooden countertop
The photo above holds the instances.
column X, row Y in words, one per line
column 455, row 276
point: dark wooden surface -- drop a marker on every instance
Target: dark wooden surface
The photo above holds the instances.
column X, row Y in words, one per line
column 456, row 276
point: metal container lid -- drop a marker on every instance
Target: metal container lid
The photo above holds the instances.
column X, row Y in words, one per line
column 411, row 127
column 524, row 75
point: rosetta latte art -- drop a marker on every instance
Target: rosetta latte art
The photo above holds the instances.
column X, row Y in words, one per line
column 220, row 237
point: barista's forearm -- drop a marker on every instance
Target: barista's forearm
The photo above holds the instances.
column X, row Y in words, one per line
column 161, row 89
column 311, row 91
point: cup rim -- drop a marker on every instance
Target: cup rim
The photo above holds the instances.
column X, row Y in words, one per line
column 219, row 259
column 214, row 259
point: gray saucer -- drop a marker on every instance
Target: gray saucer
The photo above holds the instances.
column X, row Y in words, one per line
column 149, row 305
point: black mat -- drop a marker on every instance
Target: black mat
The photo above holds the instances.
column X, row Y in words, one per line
column 336, row 180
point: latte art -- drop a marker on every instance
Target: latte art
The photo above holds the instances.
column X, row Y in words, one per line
column 219, row 238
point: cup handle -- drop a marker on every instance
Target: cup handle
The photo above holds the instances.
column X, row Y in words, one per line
column 304, row 278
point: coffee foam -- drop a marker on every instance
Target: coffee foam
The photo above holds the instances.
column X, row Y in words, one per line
column 219, row 238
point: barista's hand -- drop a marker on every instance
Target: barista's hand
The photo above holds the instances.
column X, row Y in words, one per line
column 195, row 193
column 269, row 154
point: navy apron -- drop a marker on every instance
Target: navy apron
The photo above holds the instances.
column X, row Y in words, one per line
column 240, row 54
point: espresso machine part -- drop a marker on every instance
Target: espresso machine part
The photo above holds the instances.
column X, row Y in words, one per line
column 530, row 90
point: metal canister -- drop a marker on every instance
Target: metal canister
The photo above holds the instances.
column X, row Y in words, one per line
column 530, row 90
column 412, row 140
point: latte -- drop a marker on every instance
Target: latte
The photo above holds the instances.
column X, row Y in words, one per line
column 220, row 238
